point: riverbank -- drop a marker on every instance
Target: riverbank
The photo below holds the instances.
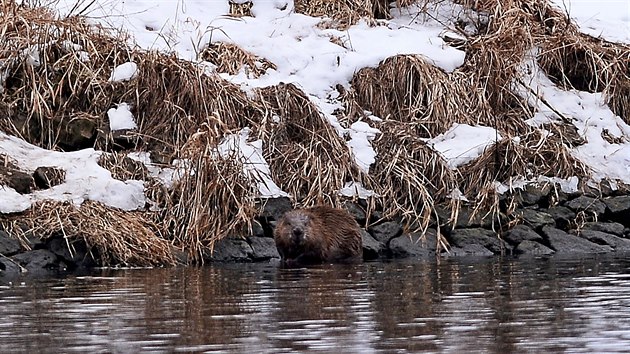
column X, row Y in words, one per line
column 139, row 148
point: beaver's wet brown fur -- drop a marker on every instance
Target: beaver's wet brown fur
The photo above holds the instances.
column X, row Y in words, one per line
column 316, row 235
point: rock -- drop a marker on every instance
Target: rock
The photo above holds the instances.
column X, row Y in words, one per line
column 46, row 177
column 8, row 268
column 79, row 133
column 8, row 245
column 125, row 139
column 532, row 247
column 274, row 208
column 520, row 233
column 356, row 211
column 534, row 218
column 20, row 181
column 488, row 239
column 37, row 260
column 385, row 231
column 466, row 218
column 562, row 215
column 587, row 204
column 602, row 238
column 230, row 250
column 80, row 255
column 619, row 207
column 470, row 250
column 263, row 248
column 258, row 230
column 372, row 249
column 414, row 245
column 614, row 228
column 533, row 194
column 564, row 243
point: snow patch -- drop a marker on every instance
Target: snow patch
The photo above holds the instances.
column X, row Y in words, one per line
column 121, row 118
column 463, row 143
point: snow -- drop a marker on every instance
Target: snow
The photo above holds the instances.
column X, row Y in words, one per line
column 124, row 72
column 361, row 135
column 121, row 118
column 254, row 164
column 316, row 59
column 591, row 117
column 85, row 179
column 609, row 19
column 463, row 143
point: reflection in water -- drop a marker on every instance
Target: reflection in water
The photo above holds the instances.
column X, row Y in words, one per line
column 485, row 305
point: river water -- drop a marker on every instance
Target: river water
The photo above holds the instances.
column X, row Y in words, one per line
column 464, row 305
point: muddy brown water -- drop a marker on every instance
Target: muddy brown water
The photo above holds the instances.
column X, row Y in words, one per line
column 466, row 305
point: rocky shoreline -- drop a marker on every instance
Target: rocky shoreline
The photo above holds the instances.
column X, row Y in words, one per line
column 545, row 221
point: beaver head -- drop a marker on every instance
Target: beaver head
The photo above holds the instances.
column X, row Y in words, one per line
column 297, row 224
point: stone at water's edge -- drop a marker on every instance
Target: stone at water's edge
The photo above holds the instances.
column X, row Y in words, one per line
column 8, row 245
column 587, row 204
column 535, row 218
column 471, row 238
column 80, row 255
column 564, row 243
column 562, row 215
column 263, row 248
column 619, row 208
column 602, row 238
column 385, row 231
column 614, row 228
column 356, row 211
column 531, row 247
column 230, row 250
column 414, row 245
column 520, row 233
column 274, row 208
column 38, row 260
column 470, row 250
column 372, row 249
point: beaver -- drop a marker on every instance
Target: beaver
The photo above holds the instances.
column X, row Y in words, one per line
column 317, row 235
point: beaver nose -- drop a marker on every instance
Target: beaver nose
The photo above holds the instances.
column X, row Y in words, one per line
column 297, row 235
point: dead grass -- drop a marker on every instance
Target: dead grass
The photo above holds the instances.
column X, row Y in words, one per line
column 230, row 58
column 121, row 238
column 307, row 157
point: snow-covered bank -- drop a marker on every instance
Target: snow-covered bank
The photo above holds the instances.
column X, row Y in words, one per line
column 297, row 118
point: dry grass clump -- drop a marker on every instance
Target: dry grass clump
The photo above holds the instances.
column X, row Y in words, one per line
column 123, row 167
column 240, row 8
column 230, row 58
column 306, row 155
column 211, row 199
column 120, row 237
column 345, row 13
column 411, row 176
column 575, row 60
column 58, row 70
column 534, row 154
column 407, row 88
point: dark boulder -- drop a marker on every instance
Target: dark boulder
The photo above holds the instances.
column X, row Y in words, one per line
column 46, row 177
column 587, row 204
column 535, row 219
column 414, row 245
column 230, row 250
column 38, row 260
column 385, row 231
column 533, row 194
column 372, row 249
column 274, row 208
column 531, row 247
column 79, row 133
column 464, row 238
column 263, row 248
column 619, row 207
column 8, row 245
column 356, row 211
column 562, row 215
column 22, row 182
column 75, row 253
column 470, row 250
column 520, row 233
column 614, row 228
column 602, row 238
column 564, row 243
